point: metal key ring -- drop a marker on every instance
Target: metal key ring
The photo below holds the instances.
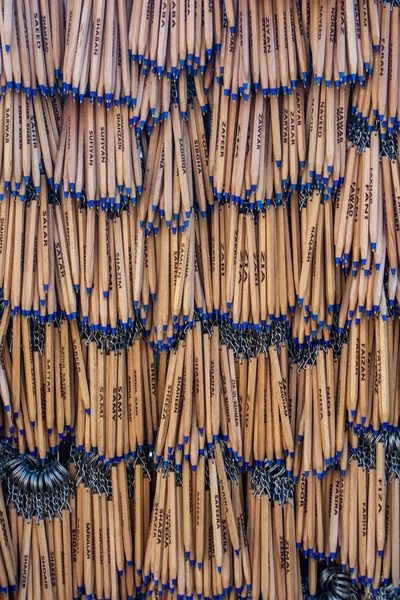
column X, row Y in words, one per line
column 20, row 478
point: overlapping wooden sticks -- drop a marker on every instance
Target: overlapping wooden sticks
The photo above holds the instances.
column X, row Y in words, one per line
column 199, row 328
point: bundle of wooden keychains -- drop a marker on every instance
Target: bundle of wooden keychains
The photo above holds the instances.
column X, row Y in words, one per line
column 199, row 326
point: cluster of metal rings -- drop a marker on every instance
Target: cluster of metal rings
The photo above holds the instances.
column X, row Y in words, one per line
column 38, row 490
column 336, row 585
